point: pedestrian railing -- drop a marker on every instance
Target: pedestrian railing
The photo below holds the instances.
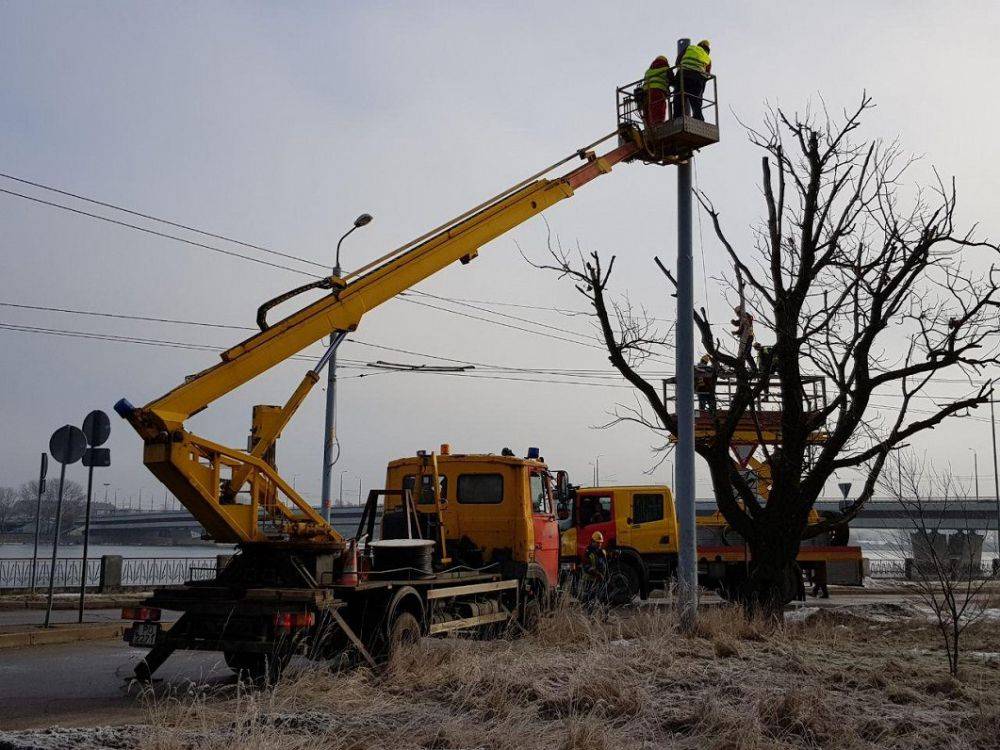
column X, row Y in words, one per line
column 904, row 570
column 887, row 569
column 16, row 573
column 159, row 571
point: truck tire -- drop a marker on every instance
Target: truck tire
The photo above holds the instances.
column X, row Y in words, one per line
column 403, row 633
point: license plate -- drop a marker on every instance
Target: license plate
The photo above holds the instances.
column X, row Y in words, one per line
column 144, row 633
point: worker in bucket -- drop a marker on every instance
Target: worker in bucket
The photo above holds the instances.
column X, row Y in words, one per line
column 705, row 377
column 656, row 88
column 695, row 66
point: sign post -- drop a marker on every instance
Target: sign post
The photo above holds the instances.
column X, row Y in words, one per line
column 66, row 445
column 42, row 472
column 97, row 430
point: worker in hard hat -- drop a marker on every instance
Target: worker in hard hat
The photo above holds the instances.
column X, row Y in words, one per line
column 705, row 377
column 695, row 66
column 595, row 565
column 656, row 87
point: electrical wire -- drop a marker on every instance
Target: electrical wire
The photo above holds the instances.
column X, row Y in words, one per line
column 161, row 220
column 157, row 233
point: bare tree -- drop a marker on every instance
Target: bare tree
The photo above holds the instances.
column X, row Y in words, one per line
column 8, row 504
column 74, row 501
column 877, row 298
column 947, row 570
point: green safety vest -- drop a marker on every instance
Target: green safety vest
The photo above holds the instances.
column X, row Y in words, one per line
column 656, row 78
column 695, row 58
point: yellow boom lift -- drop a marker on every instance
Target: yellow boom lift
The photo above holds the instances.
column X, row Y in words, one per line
column 238, row 496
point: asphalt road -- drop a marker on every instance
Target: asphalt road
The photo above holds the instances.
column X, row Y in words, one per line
column 89, row 683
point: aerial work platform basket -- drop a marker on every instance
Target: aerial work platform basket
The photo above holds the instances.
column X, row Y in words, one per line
column 759, row 424
column 676, row 137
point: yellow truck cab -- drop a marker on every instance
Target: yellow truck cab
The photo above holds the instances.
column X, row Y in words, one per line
column 639, row 525
column 495, row 511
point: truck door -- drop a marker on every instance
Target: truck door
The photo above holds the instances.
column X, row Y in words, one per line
column 546, row 527
column 595, row 512
column 648, row 527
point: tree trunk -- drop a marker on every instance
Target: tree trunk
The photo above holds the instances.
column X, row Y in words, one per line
column 775, row 576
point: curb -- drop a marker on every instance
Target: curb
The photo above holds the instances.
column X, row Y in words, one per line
column 62, row 634
column 111, row 602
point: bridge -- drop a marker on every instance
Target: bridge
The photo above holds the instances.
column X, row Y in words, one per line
column 178, row 527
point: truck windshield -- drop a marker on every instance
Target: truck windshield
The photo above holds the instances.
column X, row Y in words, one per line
column 539, row 495
column 595, row 509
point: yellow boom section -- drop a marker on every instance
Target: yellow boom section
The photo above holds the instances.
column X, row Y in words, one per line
column 208, row 478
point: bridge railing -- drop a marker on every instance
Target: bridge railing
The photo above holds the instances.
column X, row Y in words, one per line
column 901, row 570
column 137, row 572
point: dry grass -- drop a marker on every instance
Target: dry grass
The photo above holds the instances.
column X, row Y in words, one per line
column 622, row 680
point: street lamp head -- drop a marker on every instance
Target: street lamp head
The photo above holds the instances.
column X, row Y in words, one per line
column 362, row 220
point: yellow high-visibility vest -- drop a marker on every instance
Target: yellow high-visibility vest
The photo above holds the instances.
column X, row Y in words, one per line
column 695, row 58
column 656, row 78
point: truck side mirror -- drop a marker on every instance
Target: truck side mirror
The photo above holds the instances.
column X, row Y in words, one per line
column 562, row 484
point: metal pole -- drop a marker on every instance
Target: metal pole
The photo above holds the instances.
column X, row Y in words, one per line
column 340, row 497
column 38, row 517
column 359, row 491
column 55, row 543
column 86, row 542
column 687, row 569
column 996, row 475
column 975, row 468
column 330, row 425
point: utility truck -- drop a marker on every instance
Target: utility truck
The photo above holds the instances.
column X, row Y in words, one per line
column 295, row 584
column 639, row 526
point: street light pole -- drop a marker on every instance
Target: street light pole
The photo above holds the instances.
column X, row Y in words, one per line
column 687, row 572
column 330, row 425
column 996, row 475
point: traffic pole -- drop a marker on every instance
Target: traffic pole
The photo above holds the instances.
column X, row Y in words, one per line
column 86, row 543
column 687, row 567
column 38, row 515
column 55, row 543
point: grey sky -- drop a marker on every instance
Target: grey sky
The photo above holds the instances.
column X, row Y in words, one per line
column 278, row 124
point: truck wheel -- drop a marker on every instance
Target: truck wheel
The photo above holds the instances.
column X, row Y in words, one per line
column 405, row 632
column 623, row 584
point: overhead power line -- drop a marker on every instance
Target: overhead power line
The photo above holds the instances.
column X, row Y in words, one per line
column 566, row 372
column 156, row 233
column 161, row 220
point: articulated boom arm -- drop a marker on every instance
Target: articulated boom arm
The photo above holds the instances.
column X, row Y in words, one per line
column 206, row 477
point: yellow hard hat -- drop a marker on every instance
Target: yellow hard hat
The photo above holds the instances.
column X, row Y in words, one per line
column 598, row 537
column 705, row 43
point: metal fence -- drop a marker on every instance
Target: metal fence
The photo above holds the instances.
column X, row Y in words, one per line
column 159, row 571
column 897, row 569
column 15, row 573
column 887, row 568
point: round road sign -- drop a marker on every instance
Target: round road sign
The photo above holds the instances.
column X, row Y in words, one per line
column 96, row 428
column 67, row 444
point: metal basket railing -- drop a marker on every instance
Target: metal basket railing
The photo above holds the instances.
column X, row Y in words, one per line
column 723, row 393
column 633, row 100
